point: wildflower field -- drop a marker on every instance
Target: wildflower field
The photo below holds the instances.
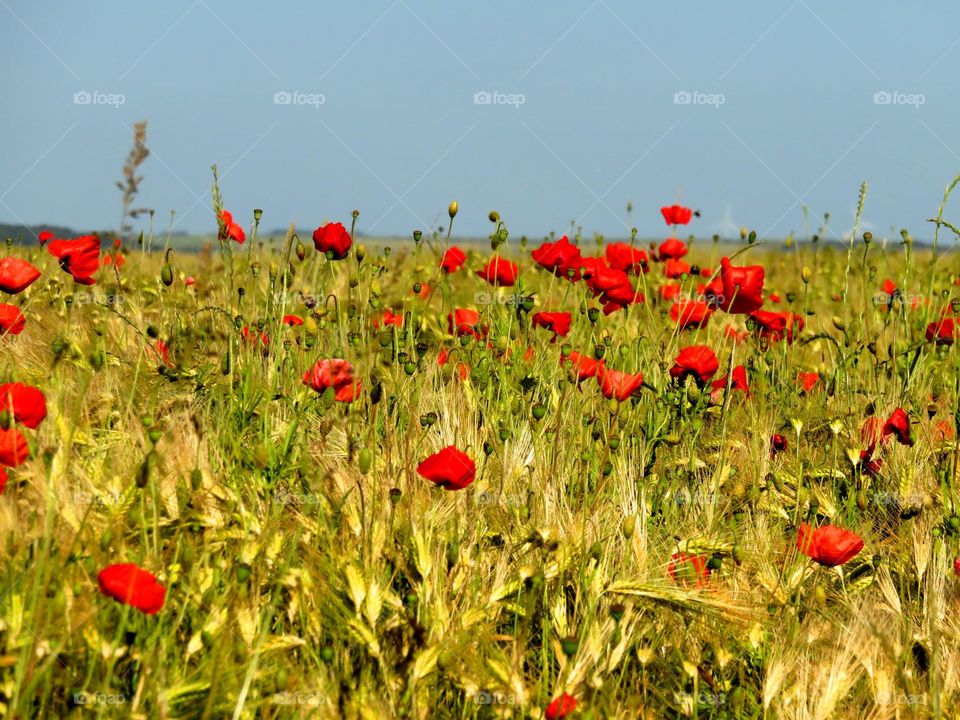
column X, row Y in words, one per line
column 555, row 477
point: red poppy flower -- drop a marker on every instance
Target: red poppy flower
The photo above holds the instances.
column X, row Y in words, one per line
column 336, row 374
column 676, row 214
column 12, row 321
column 690, row 314
column 807, row 380
column 675, row 268
column 775, row 326
column 332, row 239
column 560, row 707
column 773, row 298
column 388, row 318
column 251, row 336
column 424, row 293
column 742, row 287
column 80, row 257
column 689, row 569
column 14, row 450
column 670, row 291
column 453, row 258
column 451, row 469
column 871, row 430
column 956, row 566
column 190, row 280
column 499, row 271
column 44, row 236
column 888, row 288
column 162, row 351
column 696, row 360
column 559, row 258
column 585, row 365
column 229, row 230
column 292, row 320
column 128, row 584
column 463, row 321
column 617, row 384
column 828, row 545
column 27, row 404
column 623, row 257
column 737, row 336
column 738, row 381
column 868, row 463
column 557, row 322
column 942, row 332
column 3, row 480
column 778, row 444
column 16, row 275
column 898, row 424
column 672, row 249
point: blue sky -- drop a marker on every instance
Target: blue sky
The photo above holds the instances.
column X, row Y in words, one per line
column 744, row 110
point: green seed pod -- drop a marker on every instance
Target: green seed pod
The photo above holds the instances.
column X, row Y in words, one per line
column 365, row 460
column 539, row 411
column 628, row 526
column 243, row 572
column 570, row 645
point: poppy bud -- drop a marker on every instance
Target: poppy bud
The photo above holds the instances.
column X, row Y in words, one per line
column 452, row 210
column 365, row 460
column 326, row 654
column 806, row 274
column 743, row 233
column 360, row 252
column 593, row 314
column 409, row 368
column 839, row 324
column 628, row 526
column 570, row 645
column 596, row 551
column 261, row 456
column 539, row 411
column 867, row 237
column 598, row 352
column 196, row 478
column 301, row 250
